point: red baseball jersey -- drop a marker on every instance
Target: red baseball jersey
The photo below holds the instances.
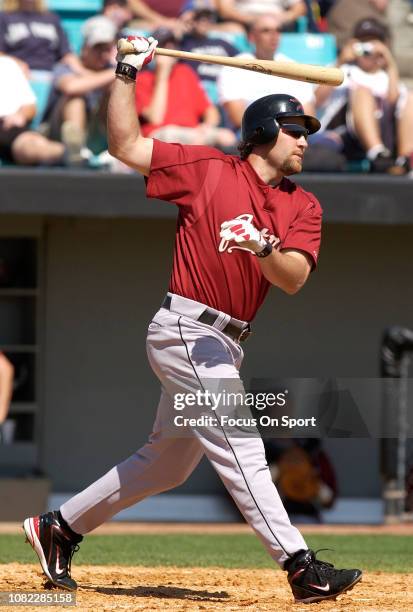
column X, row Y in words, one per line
column 210, row 187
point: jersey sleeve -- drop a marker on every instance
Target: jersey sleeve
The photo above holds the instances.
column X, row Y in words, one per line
column 179, row 173
column 305, row 231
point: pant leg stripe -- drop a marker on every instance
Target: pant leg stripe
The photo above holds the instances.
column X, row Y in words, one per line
column 231, row 448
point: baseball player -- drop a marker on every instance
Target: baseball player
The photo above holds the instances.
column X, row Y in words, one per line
column 242, row 227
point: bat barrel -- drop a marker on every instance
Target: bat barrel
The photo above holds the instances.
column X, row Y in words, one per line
column 322, row 75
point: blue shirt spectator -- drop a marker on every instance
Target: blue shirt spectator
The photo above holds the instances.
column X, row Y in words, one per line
column 34, row 37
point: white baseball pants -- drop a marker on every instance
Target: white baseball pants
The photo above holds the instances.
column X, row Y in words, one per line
column 184, row 354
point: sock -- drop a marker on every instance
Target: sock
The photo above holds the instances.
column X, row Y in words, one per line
column 66, row 527
column 289, row 561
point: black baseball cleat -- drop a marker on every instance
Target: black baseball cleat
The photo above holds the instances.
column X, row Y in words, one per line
column 312, row 580
column 54, row 546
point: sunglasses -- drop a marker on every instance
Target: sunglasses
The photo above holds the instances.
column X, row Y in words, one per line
column 294, row 130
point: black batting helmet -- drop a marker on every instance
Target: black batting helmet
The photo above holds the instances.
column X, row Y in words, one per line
column 260, row 123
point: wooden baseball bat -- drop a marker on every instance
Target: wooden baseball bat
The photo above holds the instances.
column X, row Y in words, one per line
column 289, row 70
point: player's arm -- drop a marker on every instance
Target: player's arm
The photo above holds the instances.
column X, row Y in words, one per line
column 287, row 269
column 124, row 136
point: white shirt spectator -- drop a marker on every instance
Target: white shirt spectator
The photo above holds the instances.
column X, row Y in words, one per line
column 354, row 76
column 236, row 84
column 16, row 91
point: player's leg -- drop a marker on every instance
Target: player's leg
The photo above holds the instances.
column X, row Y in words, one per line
column 163, row 463
column 187, row 357
column 201, row 362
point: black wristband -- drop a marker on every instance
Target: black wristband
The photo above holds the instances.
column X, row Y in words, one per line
column 265, row 251
column 126, row 70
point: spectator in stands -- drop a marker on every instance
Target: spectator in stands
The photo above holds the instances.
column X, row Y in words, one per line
column 345, row 14
column 239, row 89
column 198, row 41
column 173, row 105
column 371, row 114
column 118, row 11
column 18, row 143
column 247, row 11
column 190, row 7
column 33, row 36
column 76, row 109
column 151, row 14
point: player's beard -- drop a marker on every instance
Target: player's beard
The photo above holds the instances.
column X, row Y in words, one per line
column 292, row 165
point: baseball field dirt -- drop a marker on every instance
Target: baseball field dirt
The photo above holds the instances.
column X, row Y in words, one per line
column 208, row 589
column 107, row 588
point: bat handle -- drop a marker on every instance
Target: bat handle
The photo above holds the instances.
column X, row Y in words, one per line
column 125, row 47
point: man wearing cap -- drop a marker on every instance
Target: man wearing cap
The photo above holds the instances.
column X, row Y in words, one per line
column 371, row 113
column 236, row 92
column 78, row 99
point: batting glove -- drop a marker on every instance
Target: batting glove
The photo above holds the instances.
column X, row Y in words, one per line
column 144, row 52
column 244, row 233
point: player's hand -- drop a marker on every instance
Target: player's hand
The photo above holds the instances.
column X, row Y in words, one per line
column 145, row 50
column 244, row 233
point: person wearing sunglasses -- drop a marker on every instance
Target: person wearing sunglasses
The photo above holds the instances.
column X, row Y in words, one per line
column 243, row 227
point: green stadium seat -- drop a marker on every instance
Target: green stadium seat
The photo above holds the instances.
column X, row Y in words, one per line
column 309, row 48
column 86, row 6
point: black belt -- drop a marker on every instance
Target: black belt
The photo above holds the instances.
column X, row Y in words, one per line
column 234, row 329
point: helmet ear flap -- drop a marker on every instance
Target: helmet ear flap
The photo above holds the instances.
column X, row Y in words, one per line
column 266, row 131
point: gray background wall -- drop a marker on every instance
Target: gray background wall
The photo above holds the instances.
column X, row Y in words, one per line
column 103, row 281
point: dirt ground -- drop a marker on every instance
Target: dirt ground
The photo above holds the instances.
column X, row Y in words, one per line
column 106, row 588
column 120, row 527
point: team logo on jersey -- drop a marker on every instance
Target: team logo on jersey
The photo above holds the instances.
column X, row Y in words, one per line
column 265, row 232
